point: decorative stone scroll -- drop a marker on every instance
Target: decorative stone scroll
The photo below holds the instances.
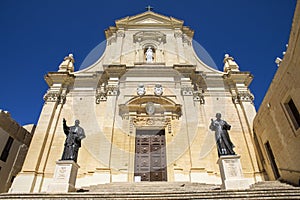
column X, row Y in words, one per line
column 112, row 90
column 54, row 96
column 103, row 92
column 199, row 97
column 112, row 39
column 51, row 96
column 178, row 34
column 186, row 91
column 245, row 96
column 100, row 96
column 186, row 39
column 120, row 34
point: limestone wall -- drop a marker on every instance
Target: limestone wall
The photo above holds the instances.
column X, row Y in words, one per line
column 275, row 123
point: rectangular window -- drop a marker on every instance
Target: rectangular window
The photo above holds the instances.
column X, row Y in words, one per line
column 6, row 149
column 293, row 113
column 272, row 160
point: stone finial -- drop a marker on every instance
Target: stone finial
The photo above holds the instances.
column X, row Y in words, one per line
column 68, row 64
column 5, row 112
column 230, row 64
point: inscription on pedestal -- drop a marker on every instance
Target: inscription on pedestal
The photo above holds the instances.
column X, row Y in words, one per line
column 61, row 173
column 64, row 178
column 231, row 173
column 232, row 169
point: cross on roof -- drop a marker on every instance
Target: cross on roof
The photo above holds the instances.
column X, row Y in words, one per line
column 149, row 8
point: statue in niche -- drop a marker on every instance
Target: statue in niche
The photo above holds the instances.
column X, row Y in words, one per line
column 224, row 144
column 149, row 55
column 73, row 141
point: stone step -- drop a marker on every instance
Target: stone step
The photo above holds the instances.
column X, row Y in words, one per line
column 167, row 190
column 162, row 195
column 271, row 184
column 150, row 186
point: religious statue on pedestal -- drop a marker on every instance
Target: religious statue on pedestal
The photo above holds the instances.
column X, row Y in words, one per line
column 73, row 141
column 224, row 144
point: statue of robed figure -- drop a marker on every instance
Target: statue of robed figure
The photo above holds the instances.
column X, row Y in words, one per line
column 224, row 144
column 73, row 141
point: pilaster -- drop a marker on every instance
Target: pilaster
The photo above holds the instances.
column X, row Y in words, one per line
column 242, row 98
column 31, row 176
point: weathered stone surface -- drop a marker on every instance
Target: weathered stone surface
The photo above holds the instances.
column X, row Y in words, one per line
column 155, row 190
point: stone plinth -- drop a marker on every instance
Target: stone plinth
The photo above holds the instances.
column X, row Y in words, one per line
column 64, row 177
column 231, row 173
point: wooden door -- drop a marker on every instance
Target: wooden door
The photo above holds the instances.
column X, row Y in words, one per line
column 150, row 155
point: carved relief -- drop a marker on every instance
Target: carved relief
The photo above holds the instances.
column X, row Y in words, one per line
column 112, row 39
column 112, row 90
column 141, row 90
column 168, row 121
column 51, row 96
column 178, row 34
column 54, row 96
column 101, row 93
column 244, row 96
column 120, row 34
column 150, row 108
column 100, row 96
column 150, row 121
column 199, row 97
column 158, row 89
column 149, row 35
column 186, row 91
column 186, row 39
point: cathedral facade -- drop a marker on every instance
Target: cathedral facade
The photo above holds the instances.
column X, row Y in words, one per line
column 145, row 106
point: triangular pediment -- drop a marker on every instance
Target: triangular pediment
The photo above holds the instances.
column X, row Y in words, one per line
column 149, row 18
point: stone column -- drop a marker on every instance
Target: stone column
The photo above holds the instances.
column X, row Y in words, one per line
column 64, row 177
column 231, row 173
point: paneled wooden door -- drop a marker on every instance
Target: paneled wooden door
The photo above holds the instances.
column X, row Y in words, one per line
column 150, row 155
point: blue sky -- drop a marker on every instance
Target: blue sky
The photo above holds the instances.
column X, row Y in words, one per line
column 36, row 35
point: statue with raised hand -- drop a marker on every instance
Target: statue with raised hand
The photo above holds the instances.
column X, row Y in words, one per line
column 224, row 144
column 74, row 135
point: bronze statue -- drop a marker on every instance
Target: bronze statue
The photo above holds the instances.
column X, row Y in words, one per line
column 225, row 146
column 73, row 141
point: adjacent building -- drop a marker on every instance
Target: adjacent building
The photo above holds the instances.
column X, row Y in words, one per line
column 14, row 143
column 145, row 105
column 277, row 124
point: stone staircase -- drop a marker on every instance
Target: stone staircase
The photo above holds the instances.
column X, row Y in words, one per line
column 168, row 190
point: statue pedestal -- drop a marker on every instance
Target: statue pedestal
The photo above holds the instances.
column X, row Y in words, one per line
column 231, row 173
column 64, row 177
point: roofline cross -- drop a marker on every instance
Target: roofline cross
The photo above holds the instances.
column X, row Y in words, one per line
column 149, row 8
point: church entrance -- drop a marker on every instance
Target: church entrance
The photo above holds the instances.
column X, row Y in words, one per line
column 150, row 155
